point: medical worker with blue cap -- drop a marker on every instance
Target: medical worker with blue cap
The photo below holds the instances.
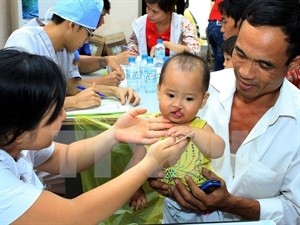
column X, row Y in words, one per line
column 71, row 25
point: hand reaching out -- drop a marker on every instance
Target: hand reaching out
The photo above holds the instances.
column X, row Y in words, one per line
column 132, row 128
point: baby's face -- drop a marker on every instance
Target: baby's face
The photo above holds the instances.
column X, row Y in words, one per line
column 180, row 95
column 227, row 61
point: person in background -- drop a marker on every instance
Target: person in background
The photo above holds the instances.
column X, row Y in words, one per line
column 232, row 12
column 182, row 92
column 84, row 59
column 71, row 25
column 32, row 91
column 293, row 75
column 189, row 15
column 258, row 113
column 215, row 36
column 180, row 6
column 227, row 47
column 161, row 22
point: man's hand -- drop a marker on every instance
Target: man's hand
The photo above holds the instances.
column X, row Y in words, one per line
column 112, row 79
column 114, row 65
column 83, row 99
column 127, row 95
column 122, row 58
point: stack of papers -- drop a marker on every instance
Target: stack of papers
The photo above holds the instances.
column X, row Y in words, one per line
column 108, row 105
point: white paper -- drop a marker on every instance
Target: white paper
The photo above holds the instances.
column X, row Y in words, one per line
column 108, row 106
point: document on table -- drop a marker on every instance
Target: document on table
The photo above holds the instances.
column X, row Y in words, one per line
column 260, row 222
column 109, row 105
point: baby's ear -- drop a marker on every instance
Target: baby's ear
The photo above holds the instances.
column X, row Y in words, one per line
column 205, row 97
column 157, row 93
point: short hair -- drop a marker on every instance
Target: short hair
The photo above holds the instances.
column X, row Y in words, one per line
column 228, row 45
column 284, row 14
column 30, row 85
column 164, row 5
column 186, row 61
column 234, row 9
column 56, row 19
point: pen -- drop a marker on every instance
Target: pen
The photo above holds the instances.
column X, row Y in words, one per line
column 99, row 93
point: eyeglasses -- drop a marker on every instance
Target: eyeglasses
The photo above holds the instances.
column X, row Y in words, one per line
column 90, row 32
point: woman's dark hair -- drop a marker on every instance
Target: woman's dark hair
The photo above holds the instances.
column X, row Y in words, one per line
column 284, row 14
column 164, row 5
column 30, row 85
column 187, row 62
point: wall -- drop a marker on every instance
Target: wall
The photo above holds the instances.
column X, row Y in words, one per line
column 122, row 13
column 201, row 9
column 5, row 21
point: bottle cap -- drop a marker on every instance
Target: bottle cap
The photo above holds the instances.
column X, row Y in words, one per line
column 149, row 60
column 131, row 59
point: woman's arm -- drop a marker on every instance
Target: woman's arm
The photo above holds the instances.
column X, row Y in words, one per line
column 132, row 44
column 92, row 206
column 189, row 37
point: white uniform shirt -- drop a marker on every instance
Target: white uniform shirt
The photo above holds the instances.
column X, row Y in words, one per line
column 35, row 40
column 19, row 185
column 267, row 166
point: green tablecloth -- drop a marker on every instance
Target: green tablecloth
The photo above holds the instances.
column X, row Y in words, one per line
column 112, row 166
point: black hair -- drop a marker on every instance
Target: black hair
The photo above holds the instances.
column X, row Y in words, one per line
column 106, row 5
column 234, row 9
column 284, row 14
column 228, row 45
column 30, row 85
column 164, row 5
column 56, row 19
column 187, row 61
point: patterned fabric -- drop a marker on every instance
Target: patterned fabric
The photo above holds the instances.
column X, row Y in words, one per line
column 293, row 76
column 190, row 163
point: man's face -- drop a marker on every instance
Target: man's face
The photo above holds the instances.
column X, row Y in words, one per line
column 228, row 28
column 259, row 60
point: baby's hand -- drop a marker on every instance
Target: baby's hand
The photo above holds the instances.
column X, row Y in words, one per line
column 138, row 200
column 178, row 132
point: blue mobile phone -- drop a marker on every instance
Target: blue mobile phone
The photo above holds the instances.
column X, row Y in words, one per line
column 210, row 185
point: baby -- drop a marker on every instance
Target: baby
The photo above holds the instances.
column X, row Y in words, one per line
column 182, row 91
column 228, row 46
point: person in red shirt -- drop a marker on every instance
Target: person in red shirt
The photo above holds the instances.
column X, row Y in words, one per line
column 215, row 36
column 161, row 22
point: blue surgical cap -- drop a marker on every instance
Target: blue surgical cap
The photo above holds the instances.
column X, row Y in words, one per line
column 82, row 12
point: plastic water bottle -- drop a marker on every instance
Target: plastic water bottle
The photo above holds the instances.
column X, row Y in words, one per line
column 166, row 58
column 150, row 76
column 159, row 53
column 142, row 67
column 132, row 75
